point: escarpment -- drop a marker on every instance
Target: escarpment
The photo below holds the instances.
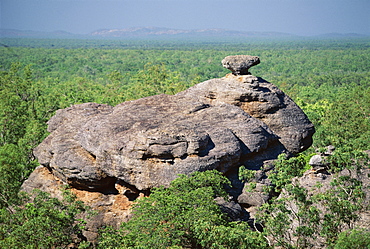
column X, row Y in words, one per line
column 112, row 155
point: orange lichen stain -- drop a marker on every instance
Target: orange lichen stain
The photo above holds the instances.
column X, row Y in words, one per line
column 240, row 79
column 86, row 196
column 101, row 202
column 120, row 203
column 229, row 75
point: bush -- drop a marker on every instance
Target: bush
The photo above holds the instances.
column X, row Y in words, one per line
column 43, row 223
column 184, row 215
column 353, row 239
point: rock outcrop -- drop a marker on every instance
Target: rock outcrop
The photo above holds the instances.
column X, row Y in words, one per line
column 146, row 143
column 263, row 101
column 239, row 64
column 137, row 145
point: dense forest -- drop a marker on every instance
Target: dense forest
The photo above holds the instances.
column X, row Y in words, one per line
column 328, row 79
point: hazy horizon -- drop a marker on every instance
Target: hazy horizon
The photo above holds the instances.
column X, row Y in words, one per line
column 297, row 17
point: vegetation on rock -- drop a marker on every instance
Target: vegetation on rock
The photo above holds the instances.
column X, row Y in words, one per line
column 184, row 215
column 42, row 223
column 328, row 80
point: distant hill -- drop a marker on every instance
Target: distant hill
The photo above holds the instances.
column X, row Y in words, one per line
column 159, row 33
column 14, row 33
column 154, row 31
column 142, row 32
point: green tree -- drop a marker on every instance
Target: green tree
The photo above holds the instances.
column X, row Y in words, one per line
column 43, row 223
column 182, row 216
column 292, row 219
column 299, row 217
column 353, row 239
column 342, row 203
column 15, row 100
column 287, row 168
column 21, row 129
column 348, row 121
column 13, row 172
column 153, row 80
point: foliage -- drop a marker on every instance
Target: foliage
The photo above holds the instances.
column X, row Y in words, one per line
column 342, row 203
column 279, row 215
column 13, row 172
column 348, row 122
column 16, row 100
column 297, row 218
column 287, row 168
column 326, row 214
column 181, row 216
column 353, row 239
column 153, row 80
column 346, row 158
column 21, row 129
column 43, row 223
column 246, row 175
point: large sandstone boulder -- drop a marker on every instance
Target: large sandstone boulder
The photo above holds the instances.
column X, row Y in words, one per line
column 112, row 155
column 218, row 124
column 146, row 143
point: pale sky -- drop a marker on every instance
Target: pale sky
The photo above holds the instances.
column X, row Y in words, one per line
column 299, row 17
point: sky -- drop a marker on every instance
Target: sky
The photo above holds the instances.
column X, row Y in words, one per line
column 299, row 17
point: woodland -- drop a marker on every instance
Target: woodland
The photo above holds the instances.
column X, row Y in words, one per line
column 328, row 79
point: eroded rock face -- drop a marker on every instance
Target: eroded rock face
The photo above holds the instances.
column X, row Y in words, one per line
column 148, row 142
column 218, row 124
column 263, row 101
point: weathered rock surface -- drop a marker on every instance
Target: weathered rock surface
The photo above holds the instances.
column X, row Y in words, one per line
column 217, row 124
column 234, row 211
column 239, row 64
column 263, row 101
column 255, row 196
column 121, row 152
column 316, row 160
column 148, row 142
